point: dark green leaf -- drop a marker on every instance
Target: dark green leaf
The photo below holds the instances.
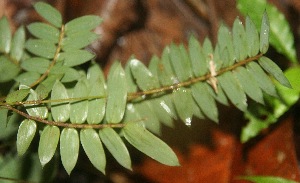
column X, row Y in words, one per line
column 44, row 31
column 93, row 148
column 75, row 57
column 149, row 144
column 69, row 148
column 96, row 107
column 262, row 79
column 41, row 47
column 163, row 111
column 264, row 33
column 17, row 96
column 95, row 73
column 183, row 101
column 60, row 110
column 144, row 78
column 117, row 94
column 116, row 146
column 180, row 62
column 274, row 70
column 79, row 40
column 249, row 84
column 40, row 111
column 205, row 100
column 220, row 96
column 8, row 70
column 17, row 44
column 49, row 13
column 225, row 43
column 42, row 91
column 131, row 84
column 233, row 90
column 5, row 35
column 27, row 78
column 48, row 83
column 48, row 143
column 25, row 135
column 87, row 22
column 70, row 75
column 264, row 179
column 79, row 109
column 35, row 64
column 197, row 57
column 252, row 38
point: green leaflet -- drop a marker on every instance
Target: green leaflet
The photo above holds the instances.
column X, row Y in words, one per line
column 69, row 148
column 79, row 109
column 49, row 13
column 48, row 143
column 262, row 79
column 70, row 75
column 263, row 179
column 17, row 44
column 281, row 36
column 264, row 34
column 116, row 146
column 149, row 144
column 78, row 40
column 93, row 148
column 144, row 78
column 41, row 47
column 117, row 94
column 87, row 22
column 8, row 70
column 239, row 40
column 225, row 43
column 205, row 100
column 197, row 57
column 36, row 110
column 75, row 57
column 44, row 31
column 249, row 84
column 183, row 101
column 252, row 38
column 95, row 73
column 164, row 110
column 233, row 90
column 27, row 78
column 17, row 96
column 60, row 110
column 180, row 62
column 35, row 64
column 274, row 70
column 165, row 71
column 5, row 35
column 25, row 135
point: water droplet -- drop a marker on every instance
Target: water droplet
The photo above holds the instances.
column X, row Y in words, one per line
column 188, row 121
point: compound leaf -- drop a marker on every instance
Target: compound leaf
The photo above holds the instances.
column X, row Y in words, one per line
column 25, row 135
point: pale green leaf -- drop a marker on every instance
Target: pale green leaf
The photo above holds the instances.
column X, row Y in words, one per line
column 264, row 33
column 117, row 94
column 149, row 144
column 249, row 84
column 233, row 90
column 163, row 110
column 264, row 179
column 70, row 75
column 220, row 96
column 42, row 91
column 69, row 148
column 183, row 101
column 17, row 44
column 79, row 109
column 252, row 38
column 180, row 62
column 165, row 71
column 96, row 107
column 60, row 110
column 79, row 40
column 17, row 96
column 25, row 135
column 144, row 78
column 116, row 146
column 35, row 64
column 41, row 47
column 87, row 22
column 44, row 31
column 48, row 83
column 239, row 40
column 5, row 35
column 205, row 100
column 27, row 78
column 274, row 70
column 262, row 79
column 8, row 70
column 49, row 13
column 197, row 57
column 48, row 143
column 95, row 73
column 40, row 111
column 75, row 57
column 93, row 148
column 225, row 44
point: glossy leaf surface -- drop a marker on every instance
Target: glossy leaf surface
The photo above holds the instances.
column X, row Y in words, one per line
column 17, row 44
column 17, row 96
column 25, row 135
column 60, row 110
column 79, row 109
